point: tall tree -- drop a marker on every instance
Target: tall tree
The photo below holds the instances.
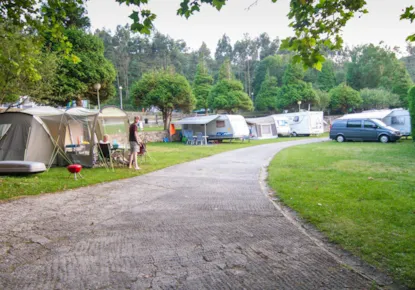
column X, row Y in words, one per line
column 76, row 80
column 70, row 13
column 323, row 100
column 223, row 49
column 228, row 94
column 377, row 67
column 379, row 99
column 344, row 99
column 326, row 80
column 245, row 56
column 202, row 85
column 266, row 46
column 294, row 89
column 225, row 72
column 267, row 97
column 409, row 60
column 24, row 68
column 274, row 65
column 165, row 90
column 121, row 43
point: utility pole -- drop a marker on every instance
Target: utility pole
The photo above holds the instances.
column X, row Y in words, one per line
column 120, row 97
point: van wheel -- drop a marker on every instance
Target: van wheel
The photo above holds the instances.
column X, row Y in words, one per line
column 384, row 139
column 340, row 138
column 294, row 134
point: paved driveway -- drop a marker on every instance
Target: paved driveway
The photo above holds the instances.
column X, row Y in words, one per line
column 205, row 224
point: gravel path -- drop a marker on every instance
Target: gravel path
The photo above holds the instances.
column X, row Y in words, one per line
column 205, row 224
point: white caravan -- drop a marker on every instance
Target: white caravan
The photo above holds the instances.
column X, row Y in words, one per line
column 305, row 123
column 283, row 126
column 215, row 127
column 262, row 128
column 396, row 118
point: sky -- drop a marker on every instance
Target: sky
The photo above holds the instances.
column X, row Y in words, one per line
column 381, row 24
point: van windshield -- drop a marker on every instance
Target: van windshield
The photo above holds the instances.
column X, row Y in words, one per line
column 379, row 123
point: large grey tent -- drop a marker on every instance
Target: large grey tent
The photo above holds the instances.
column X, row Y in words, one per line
column 56, row 137
column 25, row 137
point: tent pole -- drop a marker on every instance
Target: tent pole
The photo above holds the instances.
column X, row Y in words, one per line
column 54, row 153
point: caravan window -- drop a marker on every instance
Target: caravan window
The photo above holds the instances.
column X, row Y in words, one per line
column 296, row 119
column 398, row 121
column 220, row 124
column 282, row 123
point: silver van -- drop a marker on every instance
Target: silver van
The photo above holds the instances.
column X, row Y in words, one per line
column 363, row 130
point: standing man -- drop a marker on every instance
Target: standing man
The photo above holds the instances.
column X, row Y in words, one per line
column 134, row 143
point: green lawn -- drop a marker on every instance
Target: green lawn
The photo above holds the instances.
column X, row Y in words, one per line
column 150, row 129
column 361, row 195
column 165, row 154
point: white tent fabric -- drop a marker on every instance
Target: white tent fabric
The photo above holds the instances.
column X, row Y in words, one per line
column 44, row 111
column 202, row 120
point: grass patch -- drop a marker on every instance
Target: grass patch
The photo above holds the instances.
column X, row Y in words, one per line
column 165, row 154
column 361, row 195
column 152, row 129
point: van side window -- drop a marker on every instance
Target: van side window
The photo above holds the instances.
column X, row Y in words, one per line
column 368, row 124
column 354, row 124
column 398, row 121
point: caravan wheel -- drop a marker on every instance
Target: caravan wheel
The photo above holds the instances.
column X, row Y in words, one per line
column 294, row 134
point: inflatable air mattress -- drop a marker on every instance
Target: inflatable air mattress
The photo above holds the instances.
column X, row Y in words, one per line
column 10, row 167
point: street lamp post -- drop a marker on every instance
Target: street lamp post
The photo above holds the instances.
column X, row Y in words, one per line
column 120, row 97
column 97, row 86
column 299, row 104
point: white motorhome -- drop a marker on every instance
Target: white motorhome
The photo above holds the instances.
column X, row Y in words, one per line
column 396, row 118
column 305, row 123
column 216, row 127
column 262, row 128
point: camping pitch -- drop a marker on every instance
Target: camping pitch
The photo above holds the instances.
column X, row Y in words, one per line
column 215, row 127
column 56, row 137
column 304, row 123
column 396, row 118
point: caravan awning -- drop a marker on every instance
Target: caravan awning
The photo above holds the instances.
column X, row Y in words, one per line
column 202, row 120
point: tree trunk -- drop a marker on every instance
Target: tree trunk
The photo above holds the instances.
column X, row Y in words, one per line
column 167, row 113
column 164, row 112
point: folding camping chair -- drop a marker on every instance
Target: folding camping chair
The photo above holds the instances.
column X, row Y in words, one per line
column 104, row 155
column 143, row 153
